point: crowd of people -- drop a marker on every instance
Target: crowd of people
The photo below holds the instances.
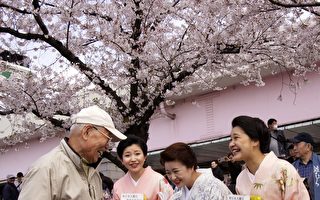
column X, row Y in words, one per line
column 261, row 163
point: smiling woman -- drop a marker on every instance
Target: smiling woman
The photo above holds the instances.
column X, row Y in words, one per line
column 139, row 181
column 180, row 163
column 264, row 175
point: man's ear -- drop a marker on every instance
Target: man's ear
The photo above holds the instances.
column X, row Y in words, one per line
column 85, row 132
column 309, row 146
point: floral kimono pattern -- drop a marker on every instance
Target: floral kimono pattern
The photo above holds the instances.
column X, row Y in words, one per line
column 206, row 187
column 274, row 179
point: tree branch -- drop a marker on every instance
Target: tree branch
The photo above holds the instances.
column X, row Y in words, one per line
column 6, row 112
column 24, row 11
column 68, row 27
column 92, row 13
column 294, row 5
column 89, row 73
column 37, row 17
column 157, row 100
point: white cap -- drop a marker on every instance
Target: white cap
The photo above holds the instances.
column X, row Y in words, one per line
column 10, row 176
column 96, row 116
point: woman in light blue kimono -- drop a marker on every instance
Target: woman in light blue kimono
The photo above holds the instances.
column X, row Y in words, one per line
column 180, row 165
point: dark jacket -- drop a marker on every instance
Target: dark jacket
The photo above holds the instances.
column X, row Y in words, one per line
column 10, row 192
column 282, row 142
column 218, row 173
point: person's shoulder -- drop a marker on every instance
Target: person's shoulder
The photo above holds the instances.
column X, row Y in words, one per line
column 6, row 185
column 51, row 157
column 242, row 175
column 284, row 166
column 208, row 178
column 122, row 180
column 51, row 160
column 209, row 183
column 279, row 132
column 315, row 154
column 154, row 173
column 296, row 162
column 284, row 163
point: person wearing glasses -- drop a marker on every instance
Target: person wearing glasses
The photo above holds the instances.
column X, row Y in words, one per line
column 68, row 171
column 140, row 181
column 180, row 164
column 264, row 175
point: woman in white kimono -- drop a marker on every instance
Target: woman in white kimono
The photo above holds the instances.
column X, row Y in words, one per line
column 264, row 175
column 180, row 164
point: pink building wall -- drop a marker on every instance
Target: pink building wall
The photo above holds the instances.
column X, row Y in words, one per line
column 199, row 118
column 209, row 116
column 15, row 161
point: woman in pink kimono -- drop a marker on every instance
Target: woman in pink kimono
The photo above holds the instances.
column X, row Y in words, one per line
column 264, row 175
column 139, row 182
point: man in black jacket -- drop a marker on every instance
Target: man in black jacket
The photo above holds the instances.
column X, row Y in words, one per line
column 278, row 141
column 10, row 191
column 216, row 170
column 233, row 168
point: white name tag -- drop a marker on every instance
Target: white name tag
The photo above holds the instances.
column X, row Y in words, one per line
column 238, row 197
column 132, row 196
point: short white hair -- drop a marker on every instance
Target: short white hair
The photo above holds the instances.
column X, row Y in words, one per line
column 75, row 128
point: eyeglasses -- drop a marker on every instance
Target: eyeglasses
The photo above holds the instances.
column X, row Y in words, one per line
column 111, row 144
column 103, row 134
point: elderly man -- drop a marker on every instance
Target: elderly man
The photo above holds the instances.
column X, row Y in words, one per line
column 307, row 163
column 67, row 171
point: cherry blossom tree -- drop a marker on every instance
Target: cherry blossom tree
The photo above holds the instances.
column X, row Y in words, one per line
column 129, row 56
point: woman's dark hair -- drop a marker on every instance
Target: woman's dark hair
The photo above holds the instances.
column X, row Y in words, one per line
column 179, row 152
column 256, row 129
column 131, row 139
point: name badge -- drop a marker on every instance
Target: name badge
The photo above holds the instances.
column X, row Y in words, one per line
column 132, row 196
column 238, row 197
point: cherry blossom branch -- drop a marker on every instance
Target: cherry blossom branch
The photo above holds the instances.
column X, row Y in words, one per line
column 24, row 11
column 68, row 26
column 89, row 73
column 295, row 5
column 306, row 6
column 38, row 18
column 175, row 79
